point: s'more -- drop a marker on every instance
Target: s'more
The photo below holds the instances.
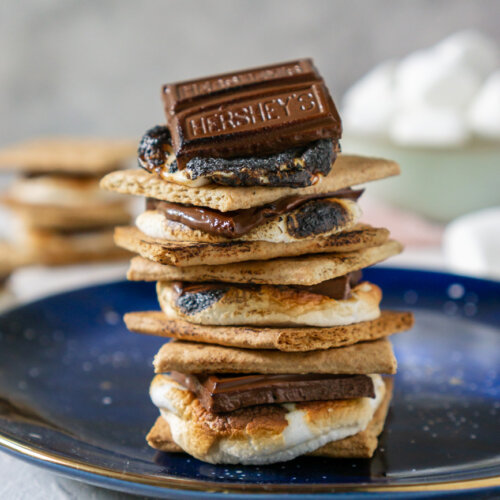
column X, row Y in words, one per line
column 277, row 346
column 62, row 215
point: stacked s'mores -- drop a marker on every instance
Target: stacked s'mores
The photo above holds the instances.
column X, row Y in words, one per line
column 62, row 215
column 252, row 232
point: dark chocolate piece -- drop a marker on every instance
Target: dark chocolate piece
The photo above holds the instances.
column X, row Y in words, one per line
column 337, row 288
column 226, row 393
column 239, row 222
column 177, row 96
column 251, row 119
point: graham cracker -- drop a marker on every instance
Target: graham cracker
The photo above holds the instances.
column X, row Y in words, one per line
column 57, row 217
column 283, row 339
column 215, row 254
column 90, row 156
column 190, row 357
column 360, row 445
column 12, row 257
column 348, row 170
column 306, row 270
column 52, row 248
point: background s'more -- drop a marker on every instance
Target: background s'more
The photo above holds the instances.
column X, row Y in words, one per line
column 62, row 216
column 252, row 232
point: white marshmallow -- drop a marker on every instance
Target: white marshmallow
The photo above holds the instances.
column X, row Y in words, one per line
column 471, row 244
column 369, row 103
column 484, row 113
column 470, row 49
column 423, row 126
column 429, row 78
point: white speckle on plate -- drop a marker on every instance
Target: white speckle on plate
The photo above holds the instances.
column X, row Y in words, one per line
column 87, row 366
column 456, row 291
column 410, row 297
column 111, row 317
column 29, row 334
column 450, row 308
column 470, row 309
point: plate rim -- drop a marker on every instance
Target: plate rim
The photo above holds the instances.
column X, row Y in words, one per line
column 51, row 459
column 72, row 467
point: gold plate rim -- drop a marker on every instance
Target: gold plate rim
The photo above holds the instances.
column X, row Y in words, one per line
column 173, row 482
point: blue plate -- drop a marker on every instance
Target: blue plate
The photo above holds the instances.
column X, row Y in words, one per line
column 74, row 398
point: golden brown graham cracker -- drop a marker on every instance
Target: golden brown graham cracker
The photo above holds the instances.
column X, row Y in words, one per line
column 362, row 358
column 348, row 170
column 56, row 217
column 360, row 445
column 89, row 156
column 305, row 270
column 53, row 248
column 12, row 257
column 282, row 339
column 209, row 254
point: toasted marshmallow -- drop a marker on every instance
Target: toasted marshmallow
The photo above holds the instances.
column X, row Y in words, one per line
column 297, row 225
column 269, row 306
column 261, row 435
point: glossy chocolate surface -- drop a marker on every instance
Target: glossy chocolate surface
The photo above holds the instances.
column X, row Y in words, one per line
column 240, row 222
column 225, row 393
column 177, row 96
column 251, row 119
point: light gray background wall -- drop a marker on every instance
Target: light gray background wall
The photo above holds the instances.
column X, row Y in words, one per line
column 96, row 66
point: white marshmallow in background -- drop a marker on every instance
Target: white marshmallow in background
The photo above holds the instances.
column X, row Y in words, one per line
column 427, row 78
column 471, row 244
column 369, row 104
column 426, row 126
column 433, row 97
column 470, row 49
column 484, row 113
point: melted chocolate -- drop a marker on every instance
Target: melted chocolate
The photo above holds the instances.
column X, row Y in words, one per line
column 225, row 393
column 240, row 222
column 194, row 297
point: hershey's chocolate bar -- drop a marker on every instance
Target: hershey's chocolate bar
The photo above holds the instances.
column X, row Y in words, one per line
column 179, row 95
column 254, row 119
column 225, row 393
